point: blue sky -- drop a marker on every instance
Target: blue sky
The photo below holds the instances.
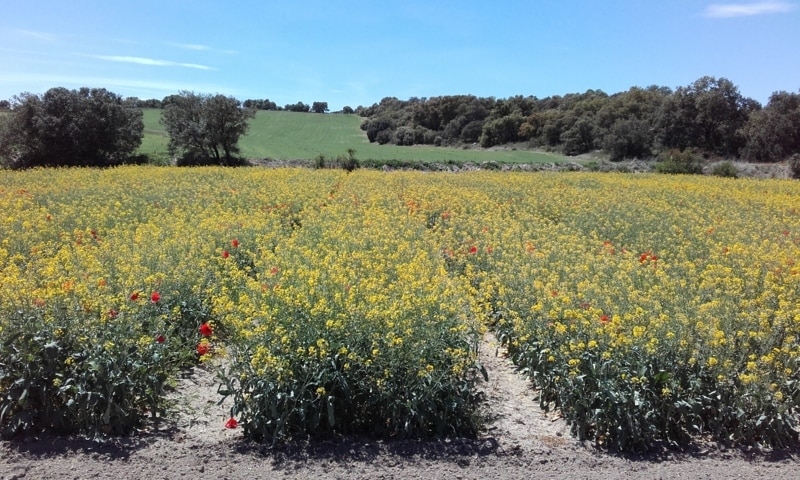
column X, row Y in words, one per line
column 357, row 52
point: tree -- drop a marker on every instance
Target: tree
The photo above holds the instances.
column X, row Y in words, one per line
column 773, row 133
column 708, row 114
column 298, row 107
column 205, row 129
column 86, row 127
column 348, row 110
column 319, row 107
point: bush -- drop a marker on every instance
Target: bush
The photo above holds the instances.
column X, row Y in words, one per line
column 794, row 164
column 679, row 162
column 350, row 162
column 725, row 169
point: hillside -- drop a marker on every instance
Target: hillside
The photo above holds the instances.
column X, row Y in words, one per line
column 290, row 135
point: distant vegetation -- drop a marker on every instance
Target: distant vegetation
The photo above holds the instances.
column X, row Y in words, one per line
column 708, row 120
column 282, row 135
column 709, row 117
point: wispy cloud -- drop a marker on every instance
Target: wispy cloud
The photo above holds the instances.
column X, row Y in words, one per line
column 729, row 10
column 201, row 48
column 41, row 36
column 191, row 46
column 150, row 61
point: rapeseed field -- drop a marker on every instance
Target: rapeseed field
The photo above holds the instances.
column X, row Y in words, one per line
column 647, row 309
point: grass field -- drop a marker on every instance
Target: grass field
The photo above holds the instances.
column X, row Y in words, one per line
column 290, row 135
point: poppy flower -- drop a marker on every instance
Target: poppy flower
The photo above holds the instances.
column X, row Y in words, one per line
column 473, row 250
column 604, row 319
column 202, row 348
column 231, row 423
column 205, row 329
column 235, row 243
column 112, row 313
column 155, row 297
column 225, row 254
column 161, row 339
column 134, row 296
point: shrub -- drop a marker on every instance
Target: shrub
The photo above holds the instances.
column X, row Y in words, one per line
column 679, row 162
column 794, row 164
column 725, row 169
column 350, row 162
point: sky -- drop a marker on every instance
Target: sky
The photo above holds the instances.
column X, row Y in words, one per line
column 356, row 52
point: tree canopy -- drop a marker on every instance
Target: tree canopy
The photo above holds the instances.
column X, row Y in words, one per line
column 85, row 127
column 708, row 116
column 204, row 129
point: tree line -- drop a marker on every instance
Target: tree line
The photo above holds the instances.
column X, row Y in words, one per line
column 251, row 103
column 95, row 127
column 709, row 117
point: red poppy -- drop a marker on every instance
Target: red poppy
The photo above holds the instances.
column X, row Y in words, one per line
column 155, row 297
column 134, row 296
column 473, row 250
column 604, row 319
column 273, row 271
column 235, row 243
column 202, row 348
column 225, row 254
column 205, row 329
column 161, row 339
column 112, row 313
column 489, row 249
column 231, row 423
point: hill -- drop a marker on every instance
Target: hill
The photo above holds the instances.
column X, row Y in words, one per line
column 290, row 135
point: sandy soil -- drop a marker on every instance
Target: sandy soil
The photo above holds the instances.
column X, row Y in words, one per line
column 519, row 442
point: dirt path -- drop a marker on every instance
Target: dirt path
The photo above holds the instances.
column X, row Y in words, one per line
column 520, row 442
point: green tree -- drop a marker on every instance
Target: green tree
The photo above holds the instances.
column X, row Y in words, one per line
column 205, row 129
column 319, row 107
column 85, row 127
column 708, row 114
column 773, row 134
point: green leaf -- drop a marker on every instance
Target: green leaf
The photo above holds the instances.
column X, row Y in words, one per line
column 331, row 418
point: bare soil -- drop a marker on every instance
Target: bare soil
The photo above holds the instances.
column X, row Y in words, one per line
column 520, row 441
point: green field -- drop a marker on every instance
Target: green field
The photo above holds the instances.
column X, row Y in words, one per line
column 290, row 135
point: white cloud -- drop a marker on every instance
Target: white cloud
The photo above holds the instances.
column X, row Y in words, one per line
column 41, row 36
column 190, row 46
column 728, row 10
column 201, row 48
column 150, row 61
